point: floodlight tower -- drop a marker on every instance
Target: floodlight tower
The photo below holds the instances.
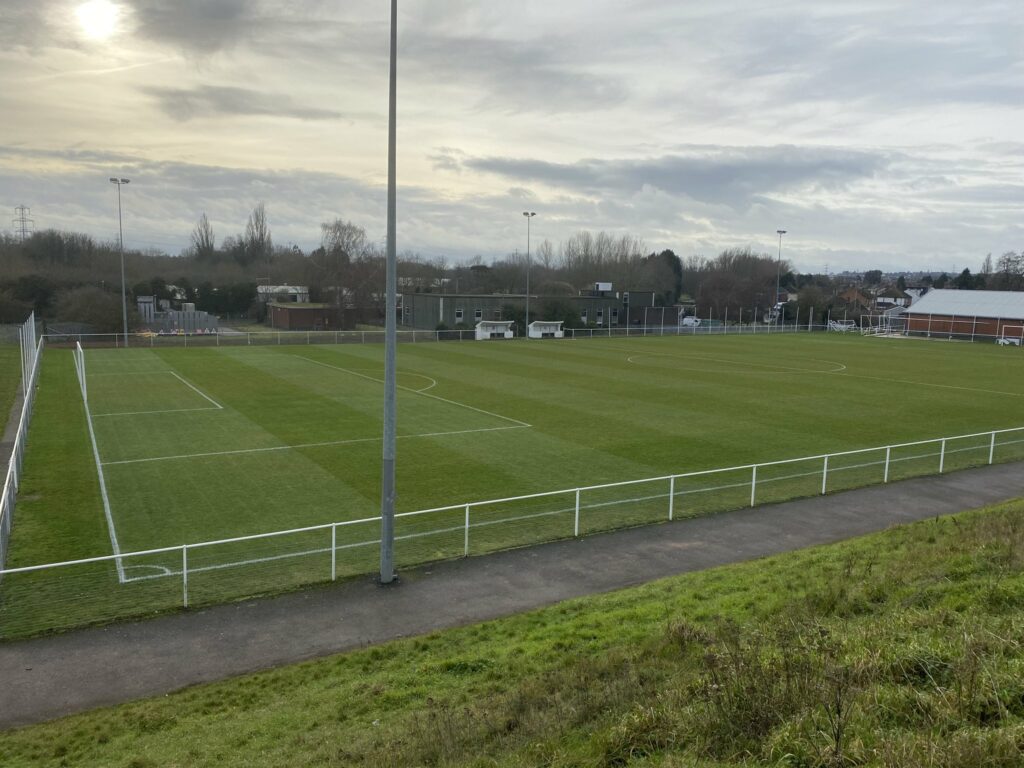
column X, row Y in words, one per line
column 387, row 496
column 526, row 324
column 120, row 236
column 778, row 270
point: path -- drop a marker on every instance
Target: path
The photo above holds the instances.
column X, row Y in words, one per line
column 53, row 676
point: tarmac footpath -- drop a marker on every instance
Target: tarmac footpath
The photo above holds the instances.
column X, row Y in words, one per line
column 49, row 677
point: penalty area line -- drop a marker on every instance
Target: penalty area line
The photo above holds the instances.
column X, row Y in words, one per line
column 196, row 389
column 326, row 444
column 420, row 392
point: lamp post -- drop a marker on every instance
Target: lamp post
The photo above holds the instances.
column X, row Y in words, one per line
column 120, row 234
column 387, row 496
column 526, row 324
column 778, row 271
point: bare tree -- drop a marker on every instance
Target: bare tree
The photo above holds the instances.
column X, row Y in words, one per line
column 258, row 244
column 203, row 245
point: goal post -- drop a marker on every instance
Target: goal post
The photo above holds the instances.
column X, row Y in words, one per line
column 1012, row 335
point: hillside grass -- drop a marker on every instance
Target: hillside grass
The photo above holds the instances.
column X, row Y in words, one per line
column 902, row 648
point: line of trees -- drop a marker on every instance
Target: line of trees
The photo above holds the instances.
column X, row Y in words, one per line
column 347, row 270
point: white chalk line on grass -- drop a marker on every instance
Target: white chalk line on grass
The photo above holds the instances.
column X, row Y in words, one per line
column 928, row 384
column 103, row 492
column 422, row 393
column 166, row 572
column 325, row 444
column 196, row 389
column 773, row 368
column 159, row 372
column 145, row 413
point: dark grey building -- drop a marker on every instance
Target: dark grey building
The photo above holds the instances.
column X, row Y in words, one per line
column 595, row 308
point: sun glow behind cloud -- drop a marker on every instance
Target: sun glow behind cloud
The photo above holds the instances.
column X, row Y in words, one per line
column 98, row 19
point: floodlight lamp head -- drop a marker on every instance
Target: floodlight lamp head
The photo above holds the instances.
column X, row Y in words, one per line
column 780, row 231
column 529, row 214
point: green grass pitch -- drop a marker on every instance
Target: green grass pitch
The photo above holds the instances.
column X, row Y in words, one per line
column 210, row 443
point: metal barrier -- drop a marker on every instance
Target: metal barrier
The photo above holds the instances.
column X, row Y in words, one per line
column 60, row 595
column 31, row 353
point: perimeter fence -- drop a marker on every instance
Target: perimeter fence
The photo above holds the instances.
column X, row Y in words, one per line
column 30, row 348
column 302, row 338
column 61, row 595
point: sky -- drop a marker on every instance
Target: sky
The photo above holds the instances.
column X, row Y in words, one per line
column 881, row 134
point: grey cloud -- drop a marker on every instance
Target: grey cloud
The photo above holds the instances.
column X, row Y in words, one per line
column 211, row 101
column 537, row 76
column 729, row 176
column 200, row 26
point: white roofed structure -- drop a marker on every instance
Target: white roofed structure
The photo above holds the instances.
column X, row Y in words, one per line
column 941, row 301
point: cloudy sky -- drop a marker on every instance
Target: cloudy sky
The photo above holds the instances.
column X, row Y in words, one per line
column 879, row 133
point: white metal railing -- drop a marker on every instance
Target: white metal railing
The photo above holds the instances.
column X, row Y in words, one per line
column 31, row 354
column 451, row 531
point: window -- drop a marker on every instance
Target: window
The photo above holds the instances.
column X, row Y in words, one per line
column 478, row 314
column 600, row 316
column 497, row 314
column 583, row 316
column 458, row 314
column 615, row 317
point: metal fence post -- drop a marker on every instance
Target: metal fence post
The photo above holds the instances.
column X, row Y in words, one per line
column 671, row 496
column 465, row 544
column 753, row 485
column 184, row 575
column 334, row 552
column 992, row 448
column 888, row 453
column 576, row 525
column 824, row 477
column 942, row 456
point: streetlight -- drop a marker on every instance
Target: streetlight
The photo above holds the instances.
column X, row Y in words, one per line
column 778, row 271
column 526, row 325
column 120, row 231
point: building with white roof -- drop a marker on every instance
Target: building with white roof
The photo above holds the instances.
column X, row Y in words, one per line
column 967, row 314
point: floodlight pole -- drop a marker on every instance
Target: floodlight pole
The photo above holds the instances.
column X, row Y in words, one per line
column 120, row 234
column 387, row 500
column 526, row 324
column 778, row 271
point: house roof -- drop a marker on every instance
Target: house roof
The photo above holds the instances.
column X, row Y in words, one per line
column 943, row 301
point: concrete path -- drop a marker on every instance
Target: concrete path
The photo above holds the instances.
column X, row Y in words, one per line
column 49, row 677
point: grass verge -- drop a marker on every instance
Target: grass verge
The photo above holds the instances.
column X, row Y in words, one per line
column 897, row 649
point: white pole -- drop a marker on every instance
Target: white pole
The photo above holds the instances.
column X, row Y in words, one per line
column 465, row 543
column 824, row 477
column 334, row 552
column 992, row 449
column 753, row 485
column 942, row 456
column 184, row 575
column 671, row 496
column 576, row 525
column 888, row 453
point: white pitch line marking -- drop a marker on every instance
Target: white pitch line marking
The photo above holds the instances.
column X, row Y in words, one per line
column 305, row 445
column 777, row 368
column 196, row 389
column 930, row 384
column 350, row 372
column 144, row 413
column 160, row 372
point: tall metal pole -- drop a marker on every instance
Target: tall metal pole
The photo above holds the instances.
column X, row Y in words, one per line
column 526, row 324
column 120, row 232
column 387, row 496
column 778, row 271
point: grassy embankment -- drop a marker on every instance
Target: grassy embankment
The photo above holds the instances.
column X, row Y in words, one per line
column 903, row 648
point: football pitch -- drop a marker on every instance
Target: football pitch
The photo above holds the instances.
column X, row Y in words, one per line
column 183, row 446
